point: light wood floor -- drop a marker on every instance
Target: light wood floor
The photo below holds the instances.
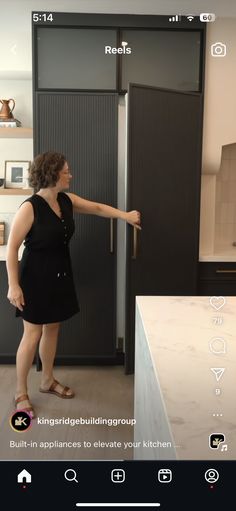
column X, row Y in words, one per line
column 100, row 392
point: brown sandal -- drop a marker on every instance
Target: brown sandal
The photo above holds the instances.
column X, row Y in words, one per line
column 62, row 394
column 28, row 409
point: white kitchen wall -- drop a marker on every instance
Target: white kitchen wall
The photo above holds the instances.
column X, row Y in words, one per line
column 219, row 134
column 225, row 232
column 16, row 149
column 219, row 128
column 218, row 209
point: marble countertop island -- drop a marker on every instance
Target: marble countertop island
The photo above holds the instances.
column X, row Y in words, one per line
column 181, row 342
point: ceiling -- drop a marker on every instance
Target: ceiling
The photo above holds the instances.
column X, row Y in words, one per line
column 225, row 8
column 222, row 8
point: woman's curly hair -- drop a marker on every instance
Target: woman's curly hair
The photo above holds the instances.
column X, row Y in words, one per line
column 44, row 170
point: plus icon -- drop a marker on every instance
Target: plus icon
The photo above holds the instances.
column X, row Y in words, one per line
column 118, row 475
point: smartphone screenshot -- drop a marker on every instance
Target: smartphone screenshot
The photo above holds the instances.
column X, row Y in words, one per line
column 118, row 254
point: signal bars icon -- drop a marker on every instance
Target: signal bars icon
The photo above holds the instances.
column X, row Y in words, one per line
column 175, row 18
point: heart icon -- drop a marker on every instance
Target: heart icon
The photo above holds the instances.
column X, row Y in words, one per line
column 217, row 302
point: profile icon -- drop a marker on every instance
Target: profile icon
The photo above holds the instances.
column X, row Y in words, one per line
column 20, row 421
column 212, row 475
column 215, row 440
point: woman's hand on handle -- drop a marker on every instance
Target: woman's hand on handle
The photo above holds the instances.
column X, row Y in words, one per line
column 134, row 218
column 15, row 296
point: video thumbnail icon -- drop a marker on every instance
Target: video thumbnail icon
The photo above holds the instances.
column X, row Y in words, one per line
column 164, row 475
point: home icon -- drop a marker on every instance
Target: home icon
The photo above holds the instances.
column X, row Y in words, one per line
column 24, row 477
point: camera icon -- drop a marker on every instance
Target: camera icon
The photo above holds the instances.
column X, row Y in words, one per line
column 218, row 50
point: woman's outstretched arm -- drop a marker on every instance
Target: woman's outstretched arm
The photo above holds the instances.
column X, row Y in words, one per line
column 96, row 208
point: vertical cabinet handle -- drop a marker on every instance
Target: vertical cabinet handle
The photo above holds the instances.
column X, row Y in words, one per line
column 225, row 271
column 135, row 240
column 111, row 236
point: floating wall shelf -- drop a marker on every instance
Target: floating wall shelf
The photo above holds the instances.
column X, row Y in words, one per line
column 16, row 191
column 16, row 133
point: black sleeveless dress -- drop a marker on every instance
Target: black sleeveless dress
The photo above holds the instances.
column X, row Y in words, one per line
column 45, row 268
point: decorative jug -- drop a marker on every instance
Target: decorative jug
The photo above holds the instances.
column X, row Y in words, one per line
column 6, row 111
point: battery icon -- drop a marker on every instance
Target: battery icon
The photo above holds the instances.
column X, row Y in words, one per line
column 207, row 17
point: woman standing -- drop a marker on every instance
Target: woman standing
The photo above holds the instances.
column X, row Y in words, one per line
column 43, row 291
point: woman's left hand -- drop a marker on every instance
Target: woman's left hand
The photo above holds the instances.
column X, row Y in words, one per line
column 134, row 218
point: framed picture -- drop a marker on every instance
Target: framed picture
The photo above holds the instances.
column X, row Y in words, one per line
column 16, row 174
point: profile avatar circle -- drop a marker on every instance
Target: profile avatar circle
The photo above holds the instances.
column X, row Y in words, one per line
column 20, row 421
column 212, row 475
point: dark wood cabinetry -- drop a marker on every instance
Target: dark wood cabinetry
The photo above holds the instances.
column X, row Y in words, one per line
column 86, row 52
column 10, row 327
column 217, row 278
column 164, row 170
column 84, row 127
column 79, row 117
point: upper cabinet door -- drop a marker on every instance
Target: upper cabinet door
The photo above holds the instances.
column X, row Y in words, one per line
column 109, row 58
column 74, row 58
column 163, row 58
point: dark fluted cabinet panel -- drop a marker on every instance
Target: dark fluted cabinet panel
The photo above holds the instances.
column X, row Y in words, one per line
column 84, row 128
column 164, row 170
column 10, row 327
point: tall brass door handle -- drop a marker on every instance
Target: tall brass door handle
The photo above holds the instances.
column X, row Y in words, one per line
column 225, row 271
column 135, row 242
column 111, row 236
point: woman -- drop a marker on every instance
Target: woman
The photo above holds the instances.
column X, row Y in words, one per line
column 44, row 293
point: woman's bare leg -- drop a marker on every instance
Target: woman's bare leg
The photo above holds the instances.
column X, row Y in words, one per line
column 47, row 352
column 25, row 354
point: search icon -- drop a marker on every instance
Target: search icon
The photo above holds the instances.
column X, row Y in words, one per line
column 71, row 477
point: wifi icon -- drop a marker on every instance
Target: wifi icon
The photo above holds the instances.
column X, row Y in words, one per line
column 190, row 17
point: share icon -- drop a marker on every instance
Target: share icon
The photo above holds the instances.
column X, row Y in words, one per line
column 218, row 372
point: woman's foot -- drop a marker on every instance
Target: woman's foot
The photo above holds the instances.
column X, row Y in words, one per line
column 22, row 402
column 54, row 387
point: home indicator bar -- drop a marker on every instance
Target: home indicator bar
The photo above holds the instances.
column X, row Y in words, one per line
column 118, row 504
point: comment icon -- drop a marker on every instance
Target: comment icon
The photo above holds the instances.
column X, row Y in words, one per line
column 217, row 345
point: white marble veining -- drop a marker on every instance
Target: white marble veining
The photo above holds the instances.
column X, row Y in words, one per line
column 175, row 389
